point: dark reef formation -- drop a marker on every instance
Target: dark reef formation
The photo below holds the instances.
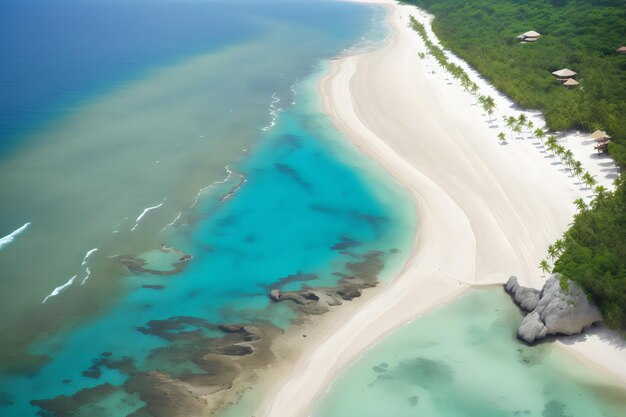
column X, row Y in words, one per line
column 203, row 360
column 362, row 274
column 137, row 265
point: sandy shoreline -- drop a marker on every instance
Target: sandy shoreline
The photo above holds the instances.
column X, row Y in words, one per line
column 486, row 211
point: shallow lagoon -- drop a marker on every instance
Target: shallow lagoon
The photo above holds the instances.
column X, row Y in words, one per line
column 462, row 359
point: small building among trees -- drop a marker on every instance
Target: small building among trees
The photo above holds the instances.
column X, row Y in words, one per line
column 530, row 36
column 571, row 83
column 602, row 140
column 564, row 74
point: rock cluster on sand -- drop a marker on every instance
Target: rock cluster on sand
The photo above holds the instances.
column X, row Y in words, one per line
column 556, row 309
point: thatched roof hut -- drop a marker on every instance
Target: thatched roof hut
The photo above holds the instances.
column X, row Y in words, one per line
column 530, row 36
column 564, row 74
column 602, row 140
column 600, row 135
column 621, row 50
column 571, row 83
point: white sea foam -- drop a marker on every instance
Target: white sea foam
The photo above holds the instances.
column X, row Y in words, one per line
column 59, row 289
column 87, row 275
column 173, row 221
column 11, row 237
column 273, row 112
column 208, row 187
column 88, row 254
column 292, row 88
column 144, row 212
column 84, row 263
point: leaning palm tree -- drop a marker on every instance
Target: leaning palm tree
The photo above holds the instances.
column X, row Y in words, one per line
column 521, row 119
column 465, row 83
column 530, row 125
column 544, row 266
column 580, row 204
column 510, row 122
column 559, row 246
column 540, row 134
column 551, row 144
column 473, row 89
column 560, row 152
column 601, row 193
column 517, row 129
column 552, row 252
column 568, row 157
column 489, row 105
column 588, row 180
column 577, row 167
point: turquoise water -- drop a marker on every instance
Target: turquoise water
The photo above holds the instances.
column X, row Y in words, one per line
column 222, row 156
column 131, row 109
column 463, row 360
column 275, row 225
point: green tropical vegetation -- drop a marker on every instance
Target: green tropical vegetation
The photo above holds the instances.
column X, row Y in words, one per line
column 593, row 252
column 582, row 35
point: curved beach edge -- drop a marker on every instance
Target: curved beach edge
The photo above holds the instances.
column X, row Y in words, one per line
column 486, row 211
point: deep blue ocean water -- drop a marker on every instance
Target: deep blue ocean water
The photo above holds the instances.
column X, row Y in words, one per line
column 211, row 108
column 56, row 55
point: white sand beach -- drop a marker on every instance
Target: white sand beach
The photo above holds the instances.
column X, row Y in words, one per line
column 486, row 210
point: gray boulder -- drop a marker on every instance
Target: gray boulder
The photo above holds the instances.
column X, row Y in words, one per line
column 532, row 328
column 526, row 298
column 554, row 310
column 566, row 311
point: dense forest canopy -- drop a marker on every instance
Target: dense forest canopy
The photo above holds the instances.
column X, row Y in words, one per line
column 581, row 35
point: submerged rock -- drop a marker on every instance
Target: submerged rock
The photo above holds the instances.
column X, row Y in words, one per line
column 275, row 295
column 559, row 309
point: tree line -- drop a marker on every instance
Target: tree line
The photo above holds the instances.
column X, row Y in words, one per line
column 581, row 35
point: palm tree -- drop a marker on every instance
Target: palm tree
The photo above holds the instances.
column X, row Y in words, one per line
column 560, row 152
column 577, row 167
column 517, row 129
column 580, row 204
column 540, row 134
column 502, row 137
column 530, row 126
column 465, row 83
column 509, row 122
column 489, row 105
column 601, row 193
column 521, row 119
column 552, row 253
column 551, row 144
column 474, row 90
column 589, row 180
column 481, row 99
column 568, row 157
column 544, row 266
column 559, row 246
